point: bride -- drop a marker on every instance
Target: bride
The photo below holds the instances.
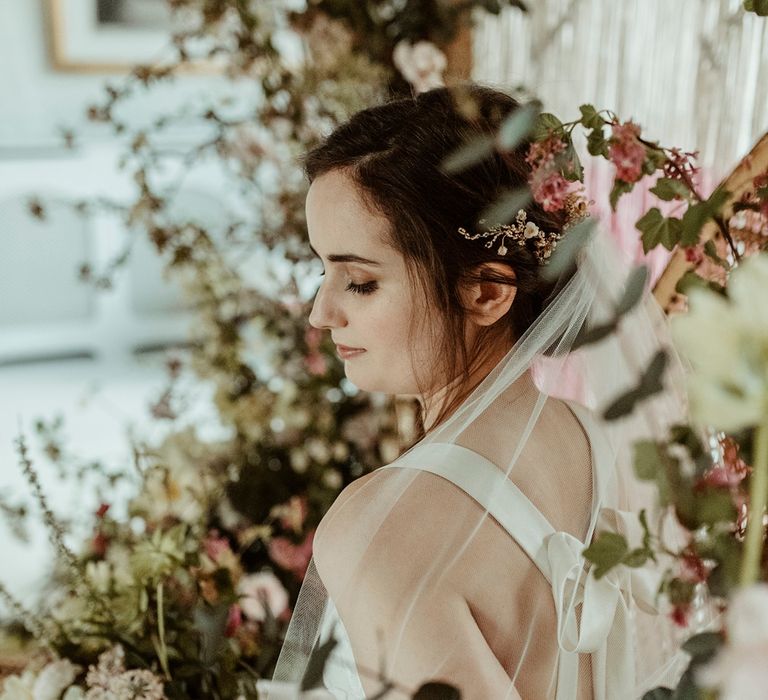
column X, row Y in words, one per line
column 461, row 562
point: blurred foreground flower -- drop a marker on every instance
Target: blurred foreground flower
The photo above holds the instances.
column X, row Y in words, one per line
column 739, row 670
column 726, row 340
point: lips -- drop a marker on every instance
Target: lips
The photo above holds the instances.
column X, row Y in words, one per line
column 346, row 352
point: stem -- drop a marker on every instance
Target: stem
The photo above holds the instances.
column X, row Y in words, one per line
column 162, row 651
column 758, row 495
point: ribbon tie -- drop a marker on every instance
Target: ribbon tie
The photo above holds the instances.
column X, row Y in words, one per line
column 605, row 613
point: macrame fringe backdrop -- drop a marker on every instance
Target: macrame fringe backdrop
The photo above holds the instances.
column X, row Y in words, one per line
column 693, row 73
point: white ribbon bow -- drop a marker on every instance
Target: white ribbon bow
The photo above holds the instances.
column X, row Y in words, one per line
column 605, row 614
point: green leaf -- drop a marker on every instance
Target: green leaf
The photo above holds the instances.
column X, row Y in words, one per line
column 667, row 188
column 313, row 674
column 704, row 644
column 633, row 292
column 658, row 229
column 517, row 126
column 619, row 188
column 592, row 335
column 568, row 248
column 590, row 119
column 659, row 694
column 606, row 551
column 597, row 145
column 546, row 124
column 647, row 459
column 759, row 7
column 572, row 169
column 437, row 691
column 713, row 506
column 651, row 381
column 622, row 406
column 471, row 153
column 636, row 558
column 505, row 208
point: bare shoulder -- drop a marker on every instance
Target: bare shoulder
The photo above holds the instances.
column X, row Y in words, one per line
column 395, row 519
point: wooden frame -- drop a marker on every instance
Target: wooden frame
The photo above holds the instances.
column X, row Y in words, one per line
column 736, row 183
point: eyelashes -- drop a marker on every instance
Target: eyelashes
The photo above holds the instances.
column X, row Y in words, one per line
column 365, row 288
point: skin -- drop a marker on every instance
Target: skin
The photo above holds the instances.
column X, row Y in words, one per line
column 368, row 302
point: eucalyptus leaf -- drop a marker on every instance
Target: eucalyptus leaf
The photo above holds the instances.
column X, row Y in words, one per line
column 623, row 405
column 593, row 335
column 437, row 691
column 518, row 125
column 635, row 558
column 704, row 644
column 567, row 249
column 659, row 694
column 647, row 459
column 505, row 208
column 471, row 153
column 633, row 292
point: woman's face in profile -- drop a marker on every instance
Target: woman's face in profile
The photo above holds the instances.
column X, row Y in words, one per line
column 365, row 299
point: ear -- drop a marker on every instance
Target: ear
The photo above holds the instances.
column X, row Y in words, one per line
column 487, row 302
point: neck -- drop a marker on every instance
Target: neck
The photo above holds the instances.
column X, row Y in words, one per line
column 432, row 404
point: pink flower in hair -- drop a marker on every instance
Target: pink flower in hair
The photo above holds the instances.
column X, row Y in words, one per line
column 550, row 190
column 626, row 152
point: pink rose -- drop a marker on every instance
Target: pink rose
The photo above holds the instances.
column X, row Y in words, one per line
column 258, row 590
column 292, row 557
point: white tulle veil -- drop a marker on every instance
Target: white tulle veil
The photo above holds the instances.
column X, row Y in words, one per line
column 522, row 420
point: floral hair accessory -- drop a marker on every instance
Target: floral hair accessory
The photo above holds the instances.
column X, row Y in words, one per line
column 521, row 230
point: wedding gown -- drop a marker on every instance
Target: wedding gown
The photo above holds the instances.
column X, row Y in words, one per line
column 598, row 640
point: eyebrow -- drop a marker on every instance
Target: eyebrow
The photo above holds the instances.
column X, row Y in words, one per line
column 346, row 258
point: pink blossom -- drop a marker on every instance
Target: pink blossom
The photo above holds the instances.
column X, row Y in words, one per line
column 542, row 153
column 313, row 337
column 316, row 364
column 626, row 152
column 692, row 569
column 256, row 590
column 551, row 190
column 292, row 557
column 234, row 620
column 216, row 547
column 680, row 613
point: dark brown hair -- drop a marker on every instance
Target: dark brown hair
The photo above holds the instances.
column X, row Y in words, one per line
column 393, row 153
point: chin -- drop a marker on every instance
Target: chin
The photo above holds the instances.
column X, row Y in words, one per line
column 380, row 384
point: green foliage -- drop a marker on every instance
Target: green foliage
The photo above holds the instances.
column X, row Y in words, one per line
column 437, row 691
column 619, row 188
column 668, row 189
column 547, row 124
column 471, row 153
column 518, row 125
column 659, row 230
column 759, row 7
column 650, row 384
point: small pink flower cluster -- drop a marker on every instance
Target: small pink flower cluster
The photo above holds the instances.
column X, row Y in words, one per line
column 548, row 186
column 626, row 152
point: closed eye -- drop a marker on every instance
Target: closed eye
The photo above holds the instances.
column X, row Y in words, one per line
column 366, row 288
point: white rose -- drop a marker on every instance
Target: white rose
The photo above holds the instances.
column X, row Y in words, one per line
column 422, row 64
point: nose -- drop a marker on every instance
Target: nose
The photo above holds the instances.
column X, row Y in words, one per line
column 325, row 312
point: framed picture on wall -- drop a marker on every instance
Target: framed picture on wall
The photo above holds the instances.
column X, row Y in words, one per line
column 109, row 35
